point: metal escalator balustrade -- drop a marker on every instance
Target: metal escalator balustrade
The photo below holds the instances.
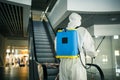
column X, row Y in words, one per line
column 44, row 50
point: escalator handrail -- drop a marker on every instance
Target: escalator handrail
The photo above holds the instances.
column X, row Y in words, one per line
column 35, row 57
column 57, row 60
column 50, row 24
column 99, row 69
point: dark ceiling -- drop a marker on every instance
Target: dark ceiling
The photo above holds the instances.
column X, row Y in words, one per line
column 11, row 17
column 41, row 5
column 101, row 18
column 11, row 24
column 89, row 19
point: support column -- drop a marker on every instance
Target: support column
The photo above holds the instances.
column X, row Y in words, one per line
column 2, row 50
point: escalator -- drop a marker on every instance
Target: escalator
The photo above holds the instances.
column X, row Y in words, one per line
column 44, row 51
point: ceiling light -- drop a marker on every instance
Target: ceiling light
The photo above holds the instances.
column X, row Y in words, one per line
column 105, row 58
column 12, row 50
column 98, row 51
column 96, row 36
column 117, row 53
column 116, row 37
column 113, row 19
column 8, row 50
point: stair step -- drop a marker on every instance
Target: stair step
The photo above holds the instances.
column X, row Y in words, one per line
column 43, row 46
column 52, row 71
column 42, row 43
column 39, row 28
column 41, row 37
column 51, row 77
column 46, row 60
column 41, row 40
column 42, row 34
column 44, row 55
column 44, row 50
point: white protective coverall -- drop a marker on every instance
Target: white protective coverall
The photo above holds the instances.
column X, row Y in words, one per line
column 72, row 69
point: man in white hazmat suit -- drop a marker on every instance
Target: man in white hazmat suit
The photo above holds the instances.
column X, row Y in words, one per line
column 72, row 69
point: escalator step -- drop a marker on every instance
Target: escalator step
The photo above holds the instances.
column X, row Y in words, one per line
column 42, row 43
column 40, row 34
column 46, row 60
column 52, row 71
column 43, row 37
column 44, row 50
column 43, row 46
column 41, row 40
column 51, row 77
column 44, row 55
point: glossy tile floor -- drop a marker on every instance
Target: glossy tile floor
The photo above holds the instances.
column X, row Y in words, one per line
column 14, row 73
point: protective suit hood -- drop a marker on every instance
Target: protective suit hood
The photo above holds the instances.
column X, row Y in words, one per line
column 74, row 20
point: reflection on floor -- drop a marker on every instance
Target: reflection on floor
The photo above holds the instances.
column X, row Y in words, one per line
column 14, row 73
